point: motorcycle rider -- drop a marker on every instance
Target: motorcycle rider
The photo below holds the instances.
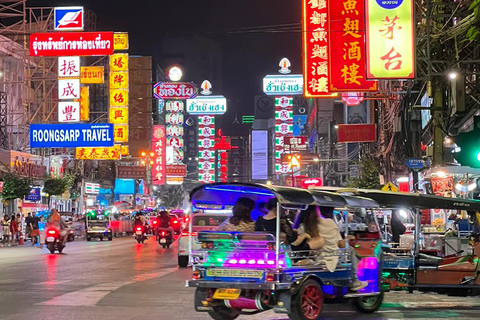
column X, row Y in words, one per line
column 140, row 221
column 164, row 223
column 54, row 220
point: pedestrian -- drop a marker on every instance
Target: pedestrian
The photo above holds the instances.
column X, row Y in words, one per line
column 6, row 233
column 241, row 220
column 13, row 229
column 34, row 229
column 20, row 226
column 28, row 230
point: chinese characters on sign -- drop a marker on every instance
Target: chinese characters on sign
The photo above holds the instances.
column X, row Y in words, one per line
column 68, row 89
column 283, row 128
column 206, row 149
column 68, row 67
column 118, row 115
column 118, row 98
column 120, row 133
column 175, row 132
column 347, row 47
column 119, row 80
column 158, row 146
column 390, row 39
column 356, row 133
column 98, row 153
column 119, row 62
column 69, row 111
column 84, row 103
column 315, row 49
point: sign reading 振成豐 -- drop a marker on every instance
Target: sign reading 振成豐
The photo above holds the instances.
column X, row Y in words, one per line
column 71, row 135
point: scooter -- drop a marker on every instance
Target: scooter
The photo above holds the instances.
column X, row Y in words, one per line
column 54, row 240
column 165, row 238
column 140, row 234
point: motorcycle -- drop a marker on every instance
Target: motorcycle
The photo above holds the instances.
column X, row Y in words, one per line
column 165, row 238
column 140, row 234
column 54, row 240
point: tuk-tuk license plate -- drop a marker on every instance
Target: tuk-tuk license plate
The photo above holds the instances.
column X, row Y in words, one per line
column 163, row 240
column 227, row 294
column 50, row 239
column 235, row 273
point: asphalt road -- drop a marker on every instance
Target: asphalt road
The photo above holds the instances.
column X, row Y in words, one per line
column 125, row 280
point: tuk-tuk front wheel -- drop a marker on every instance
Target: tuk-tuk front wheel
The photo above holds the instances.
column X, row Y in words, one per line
column 307, row 303
column 368, row 304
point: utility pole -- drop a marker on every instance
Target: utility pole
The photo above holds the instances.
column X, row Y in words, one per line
column 437, row 117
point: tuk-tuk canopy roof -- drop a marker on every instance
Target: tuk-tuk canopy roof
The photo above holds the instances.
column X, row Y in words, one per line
column 220, row 195
column 410, row 200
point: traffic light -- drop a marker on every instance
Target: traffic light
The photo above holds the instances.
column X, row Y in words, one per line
column 468, row 152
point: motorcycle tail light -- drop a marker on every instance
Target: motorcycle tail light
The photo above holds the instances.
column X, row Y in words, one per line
column 163, row 233
column 139, row 229
column 52, row 232
column 270, row 277
column 175, row 221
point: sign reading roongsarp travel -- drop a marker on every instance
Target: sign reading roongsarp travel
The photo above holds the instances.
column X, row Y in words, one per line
column 71, row 135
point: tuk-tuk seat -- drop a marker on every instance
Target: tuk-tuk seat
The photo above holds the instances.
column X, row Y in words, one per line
column 427, row 260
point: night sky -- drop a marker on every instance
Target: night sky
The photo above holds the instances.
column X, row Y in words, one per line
column 248, row 57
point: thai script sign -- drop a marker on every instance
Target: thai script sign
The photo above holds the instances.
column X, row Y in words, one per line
column 283, row 84
column 120, row 41
column 211, row 105
column 175, row 90
column 55, row 44
column 71, row 135
column 92, row 75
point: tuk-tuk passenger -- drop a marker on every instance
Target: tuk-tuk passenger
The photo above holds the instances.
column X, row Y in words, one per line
column 241, row 220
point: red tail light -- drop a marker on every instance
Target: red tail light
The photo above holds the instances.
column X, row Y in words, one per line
column 155, row 221
column 163, row 233
column 139, row 228
column 187, row 219
column 270, row 277
column 175, row 221
column 196, row 275
column 52, row 231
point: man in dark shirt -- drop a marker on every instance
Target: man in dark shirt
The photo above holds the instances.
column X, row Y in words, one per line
column 34, row 229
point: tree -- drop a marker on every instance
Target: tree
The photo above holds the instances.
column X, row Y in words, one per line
column 57, row 186
column 369, row 178
column 15, row 187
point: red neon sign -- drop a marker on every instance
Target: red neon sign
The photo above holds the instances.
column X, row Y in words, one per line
column 55, row 44
column 158, row 145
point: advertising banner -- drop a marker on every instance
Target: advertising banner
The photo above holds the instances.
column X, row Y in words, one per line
column 84, row 103
column 56, row 44
column 175, row 90
column 71, row 135
column 118, row 115
column 315, row 49
column 68, row 67
column 34, row 195
column 68, row 111
column 120, row 41
column 131, row 172
column 206, row 149
column 176, row 170
column 357, row 133
column 390, row 39
column 92, row 75
column 158, row 146
column 259, row 155
column 68, row 18
column 347, row 47
column 92, row 188
column 98, row 153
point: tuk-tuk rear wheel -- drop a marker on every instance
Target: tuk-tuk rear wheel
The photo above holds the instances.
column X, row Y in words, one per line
column 224, row 313
column 307, row 304
column 368, row 304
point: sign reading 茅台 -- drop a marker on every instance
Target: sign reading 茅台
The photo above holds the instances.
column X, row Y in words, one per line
column 283, row 84
column 71, row 135
column 207, row 105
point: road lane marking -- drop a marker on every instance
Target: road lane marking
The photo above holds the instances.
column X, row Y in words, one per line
column 90, row 296
column 51, row 283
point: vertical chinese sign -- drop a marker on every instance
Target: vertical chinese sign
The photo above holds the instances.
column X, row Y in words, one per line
column 206, row 149
column 390, row 39
column 283, row 128
column 347, row 47
column 175, row 119
column 68, row 89
column 158, row 146
column 315, row 49
column 118, row 88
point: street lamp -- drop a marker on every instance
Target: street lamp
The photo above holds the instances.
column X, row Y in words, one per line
column 294, row 162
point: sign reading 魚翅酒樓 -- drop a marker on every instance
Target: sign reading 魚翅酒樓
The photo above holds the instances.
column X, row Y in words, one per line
column 71, row 135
